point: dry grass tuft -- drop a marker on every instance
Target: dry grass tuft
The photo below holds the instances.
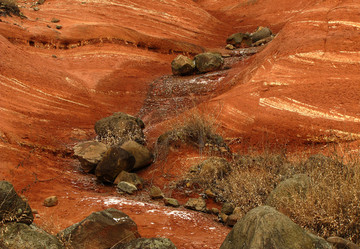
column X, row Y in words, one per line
column 8, row 8
column 331, row 206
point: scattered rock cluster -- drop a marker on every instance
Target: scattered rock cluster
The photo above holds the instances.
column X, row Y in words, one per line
column 109, row 228
column 260, row 36
column 121, row 149
column 202, row 63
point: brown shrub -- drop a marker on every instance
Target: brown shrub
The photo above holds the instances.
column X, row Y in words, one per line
column 8, row 8
column 332, row 203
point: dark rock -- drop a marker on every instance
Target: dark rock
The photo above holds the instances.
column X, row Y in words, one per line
column 156, row 193
column 239, row 40
column 55, row 20
column 228, row 208
column 145, row 243
column 114, row 161
column 126, row 187
column 51, row 201
column 182, row 65
column 171, row 202
column 19, row 235
column 90, row 154
column 119, row 128
column 260, row 33
column 266, row 228
column 143, row 157
column 263, row 41
column 12, row 206
column 101, row 230
column 58, row 27
column 207, row 62
column 130, row 178
column 197, row 204
column 286, row 190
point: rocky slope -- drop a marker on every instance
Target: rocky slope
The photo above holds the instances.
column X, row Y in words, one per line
column 57, row 82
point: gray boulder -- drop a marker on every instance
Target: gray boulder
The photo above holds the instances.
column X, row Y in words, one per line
column 156, row 193
column 89, row 154
column 100, row 230
column 12, row 206
column 130, row 178
column 260, row 33
column 265, row 228
column 182, row 65
column 114, row 161
column 143, row 156
column 239, row 40
column 20, row 235
column 207, row 62
column 171, row 202
column 145, row 243
column 119, row 128
column 286, row 190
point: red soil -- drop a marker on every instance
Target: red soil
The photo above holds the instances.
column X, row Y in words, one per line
column 301, row 89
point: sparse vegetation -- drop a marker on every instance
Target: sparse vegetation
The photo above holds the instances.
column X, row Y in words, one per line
column 8, row 8
column 330, row 208
column 197, row 129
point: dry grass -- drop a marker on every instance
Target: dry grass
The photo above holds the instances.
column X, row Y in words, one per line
column 8, row 8
column 332, row 203
column 196, row 129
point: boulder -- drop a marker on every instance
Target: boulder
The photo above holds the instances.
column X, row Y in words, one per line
column 100, row 230
column 114, row 161
column 89, row 154
column 143, row 156
column 182, row 65
column 197, row 204
column 20, row 235
column 340, row 243
column 130, row 178
column 12, row 206
column 284, row 191
column 265, row 228
column 119, row 128
column 260, row 33
column 145, row 243
column 126, row 187
column 171, row 202
column 214, row 167
column 239, row 40
column 207, row 62
column 156, row 193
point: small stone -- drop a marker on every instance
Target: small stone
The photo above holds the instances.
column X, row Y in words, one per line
column 36, row 9
column 58, row 27
column 126, row 187
column 227, row 208
column 37, row 215
column 230, row 47
column 51, row 201
column 34, row 211
column 198, row 204
column 223, row 217
column 232, row 219
column 48, row 26
column 171, row 202
column 215, row 211
column 156, row 193
column 209, row 193
column 54, row 56
column 55, row 20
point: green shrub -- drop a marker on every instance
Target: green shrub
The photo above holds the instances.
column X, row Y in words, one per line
column 8, row 8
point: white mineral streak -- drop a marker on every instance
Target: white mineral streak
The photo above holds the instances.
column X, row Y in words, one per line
column 303, row 109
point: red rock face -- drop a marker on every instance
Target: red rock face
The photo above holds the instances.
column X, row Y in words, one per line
column 302, row 88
